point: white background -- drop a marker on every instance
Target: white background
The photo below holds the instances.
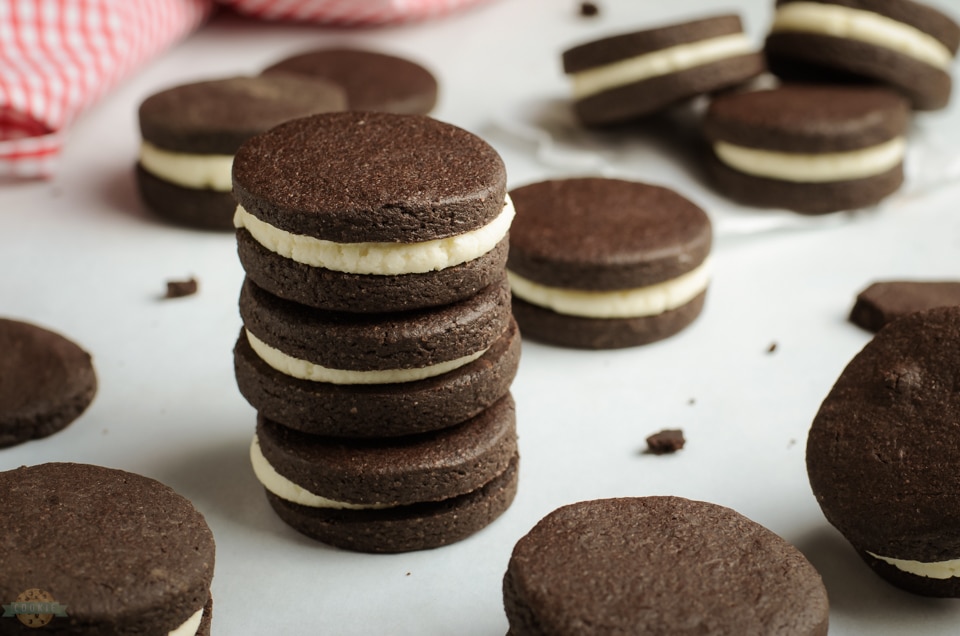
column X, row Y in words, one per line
column 80, row 255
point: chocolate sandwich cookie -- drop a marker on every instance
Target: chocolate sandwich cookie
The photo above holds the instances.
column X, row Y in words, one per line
column 375, row 375
column 884, row 445
column 191, row 132
column 909, row 46
column 605, row 263
column 104, row 551
column 807, row 148
column 396, row 495
column 624, row 77
column 885, row 301
column 373, row 81
column 406, row 212
column 48, row 382
column 659, row 565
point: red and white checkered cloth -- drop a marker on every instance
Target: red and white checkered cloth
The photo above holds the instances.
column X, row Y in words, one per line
column 57, row 57
column 347, row 12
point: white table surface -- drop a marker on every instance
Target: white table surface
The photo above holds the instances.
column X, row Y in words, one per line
column 79, row 255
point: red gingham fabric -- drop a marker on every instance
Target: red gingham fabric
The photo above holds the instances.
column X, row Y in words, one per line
column 57, row 57
column 347, row 12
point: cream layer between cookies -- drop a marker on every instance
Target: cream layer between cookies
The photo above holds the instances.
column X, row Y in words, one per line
column 381, row 259
column 638, row 302
column 188, row 170
column 932, row 570
column 813, row 168
column 863, row 26
column 306, row 370
column 282, row 487
column 656, row 63
column 190, row 626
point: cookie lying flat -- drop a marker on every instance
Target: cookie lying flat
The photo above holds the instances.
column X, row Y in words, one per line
column 659, row 565
column 373, row 81
column 407, row 212
column 48, row 382
column 397, row 495
column 885, row 301
column 811, row 149
column 83, row 534
column 606, row 263
column 909, row 46
column 379, row 375
column 625, row 77
column 191, row 132
column 884, row 446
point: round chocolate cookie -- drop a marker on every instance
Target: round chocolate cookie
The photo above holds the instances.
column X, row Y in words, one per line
column 659, row 565
column 884, row 446
column 407, row 212
column 394, row 495
column 624, row 77
column 48, row 381
column 378, row 410
column 808, row 148
column 606, row 263
column 191, row 132
column 908, row 46
column 111, row 552
column 885, row 301
column 373, row 81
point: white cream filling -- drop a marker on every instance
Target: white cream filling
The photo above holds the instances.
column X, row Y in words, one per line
column 814, row 168
column 289, row 491
column 305, row 370
column 656, row 63
column 188, row 170
column 190, row 626
column 628, row 303
column 384, row 259
column 934, row 570
column 864, row 26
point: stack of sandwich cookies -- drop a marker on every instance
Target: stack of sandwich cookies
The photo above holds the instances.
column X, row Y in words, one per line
column 813, row 149
column 191, row 132
column 385, row 422
column 625, row 77
column 111, row 552
column 606, row 263
column 909, row 46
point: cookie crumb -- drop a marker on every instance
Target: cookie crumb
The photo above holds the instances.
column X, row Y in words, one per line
column 589, row 9
column 180, row 288
column 692, row 401
column 772, row 347
column 666, row 441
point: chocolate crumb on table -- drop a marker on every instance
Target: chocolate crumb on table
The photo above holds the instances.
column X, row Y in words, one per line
column 180, row 288
column 589, row 9
column 666, row 441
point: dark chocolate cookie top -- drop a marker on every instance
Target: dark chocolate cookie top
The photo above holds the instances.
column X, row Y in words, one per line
column 884, row 443
column 216, row 116
column 370, row 342
column 380, row 177
column 807, row 118
column 919, row 15
column 887, row 300
column 372, row 80
column 604, row 234
column 124, row 553
column 618, row 47
column 659, row 565
column 430, row 466
column 46, row 382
